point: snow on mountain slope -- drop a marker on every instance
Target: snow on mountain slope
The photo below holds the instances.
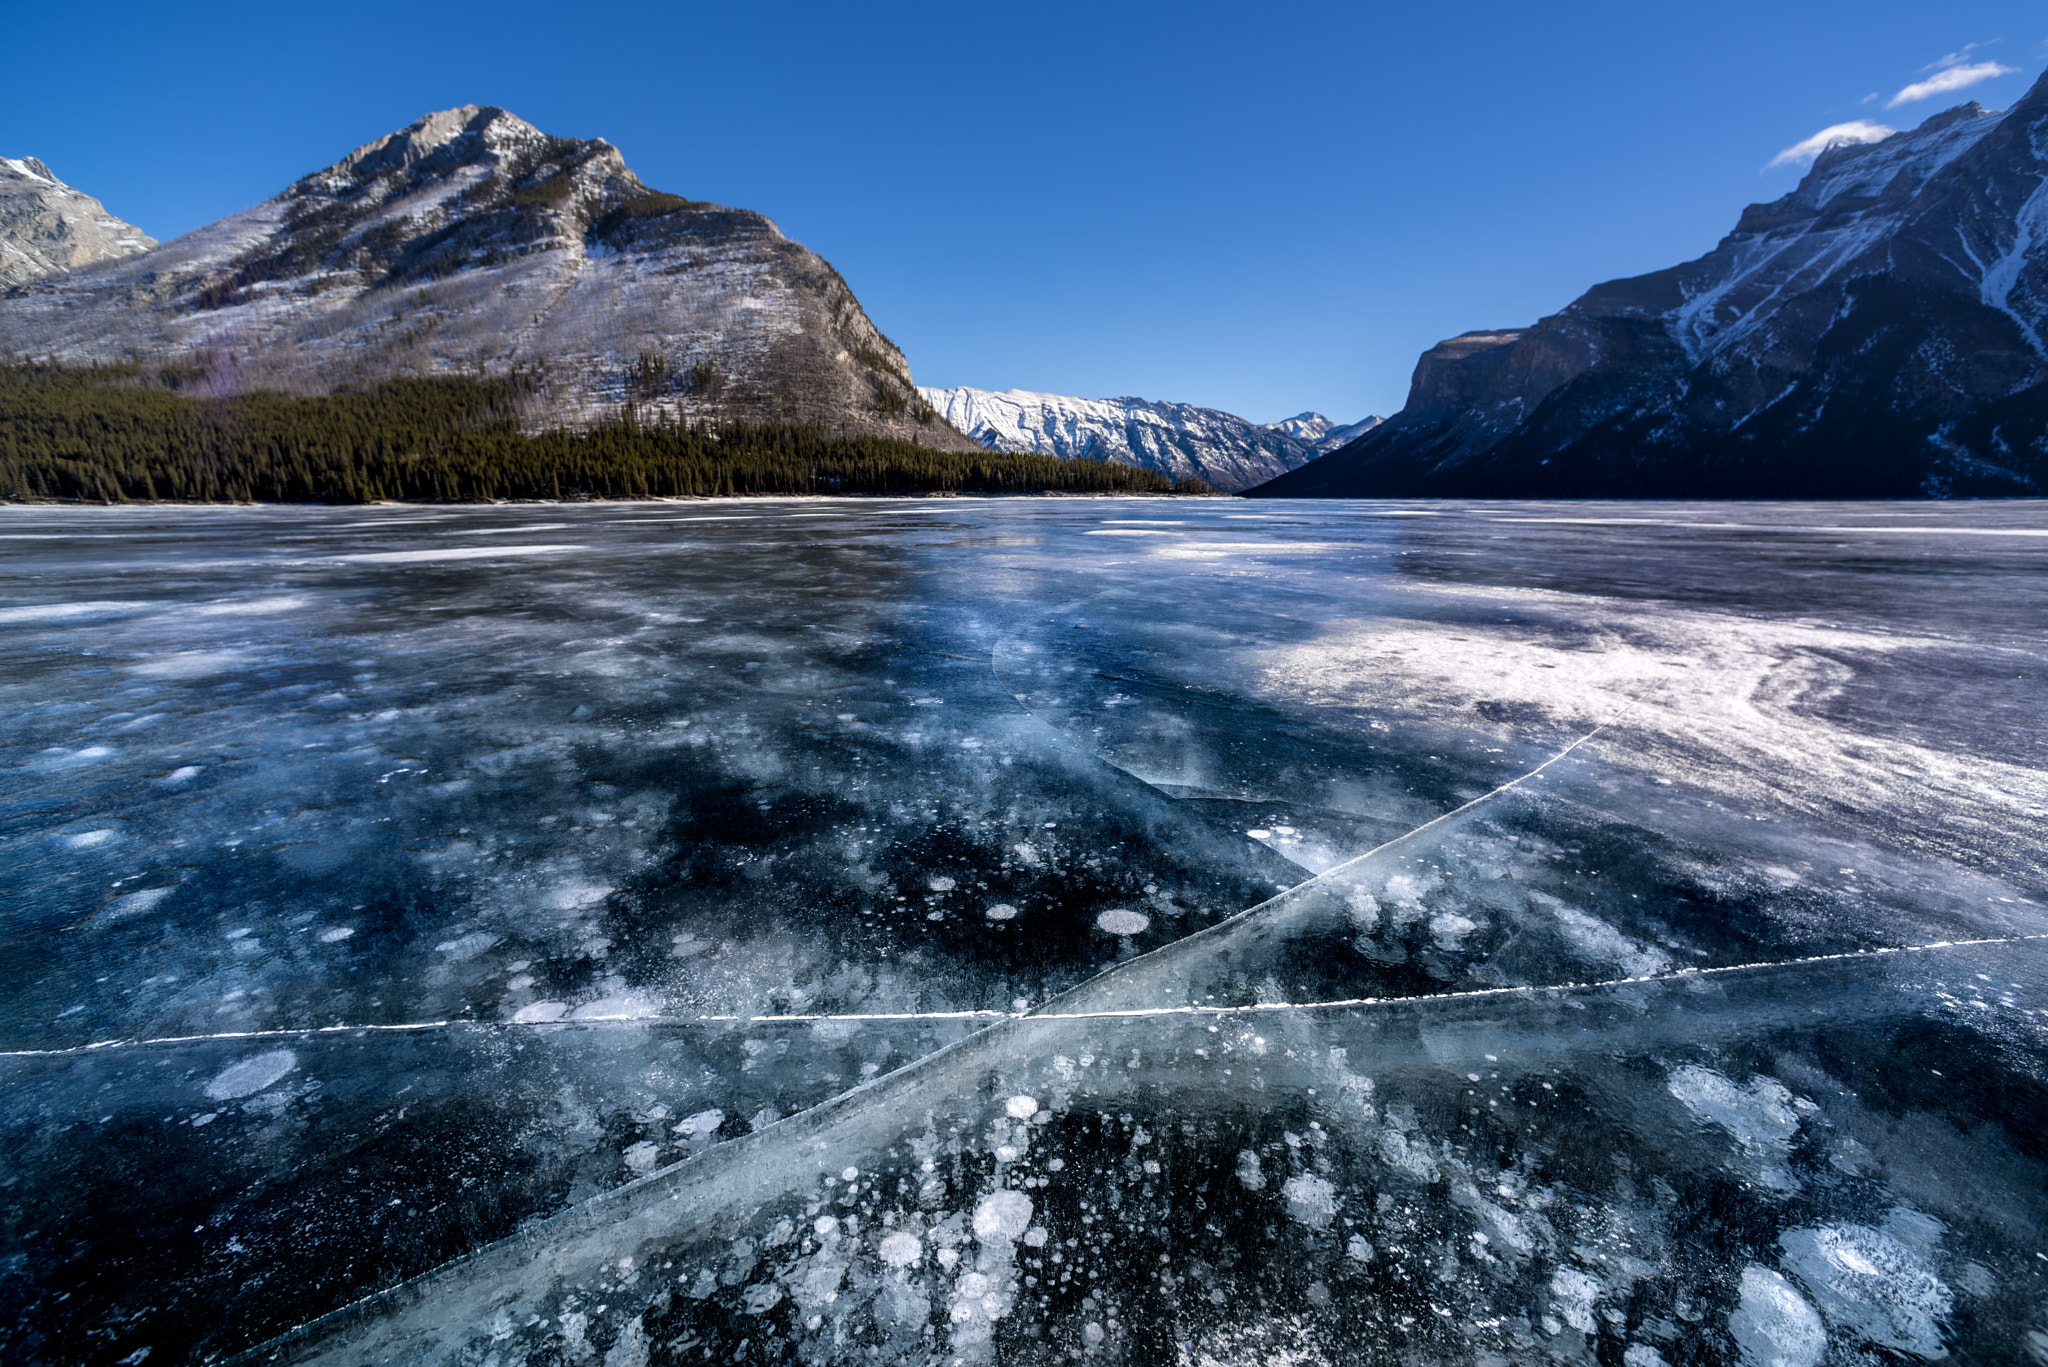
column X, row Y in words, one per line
column 1882, row 331
column 1177, row 439
column 471, row 242
column 1323, row 434
column 47, row 226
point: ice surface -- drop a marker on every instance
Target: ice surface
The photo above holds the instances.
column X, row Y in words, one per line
column 932, row 931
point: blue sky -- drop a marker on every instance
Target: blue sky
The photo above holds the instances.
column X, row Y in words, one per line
column 1263, row 208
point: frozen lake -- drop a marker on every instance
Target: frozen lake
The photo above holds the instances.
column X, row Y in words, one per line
column 1157, row 931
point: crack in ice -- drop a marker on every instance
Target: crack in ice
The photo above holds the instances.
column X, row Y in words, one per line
column 1132, row 1013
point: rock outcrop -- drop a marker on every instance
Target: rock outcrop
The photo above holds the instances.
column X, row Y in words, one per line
column 473, row 243
column 47, row 227
column 1878, row 332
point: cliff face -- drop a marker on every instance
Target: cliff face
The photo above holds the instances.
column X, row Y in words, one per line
column 47, row 226
column 1879, row 332
column 471, row 242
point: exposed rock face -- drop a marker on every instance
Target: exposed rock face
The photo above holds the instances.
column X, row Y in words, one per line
column 1176, row 439
column 1879, row 332
column 472, row 242
column 47, row 227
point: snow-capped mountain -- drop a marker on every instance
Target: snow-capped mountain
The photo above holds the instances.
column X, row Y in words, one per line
column 46, row 226
column 1177, row 439
column 1880, row 331
column 471, row 243
column 1323, row 434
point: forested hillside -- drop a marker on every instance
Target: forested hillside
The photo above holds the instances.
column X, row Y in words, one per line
column 115, row 433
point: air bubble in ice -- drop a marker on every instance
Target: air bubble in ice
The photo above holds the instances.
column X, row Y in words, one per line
column 466, row 947
column 703, row 1122
column 1310, row 1199
column 1001, row 911
column 1575, row 1292
column 1002, row 1216
column 135, row 903
column 1450, row 929
column 900, row 1249
column 1868, row 1280
column 251, row 1075
column 1118, row 921
column 1021, row 1107
column 1773, row 1325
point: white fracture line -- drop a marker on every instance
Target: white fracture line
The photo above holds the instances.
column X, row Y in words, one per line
column 1229, row 922
column 1135, row 1013
column 1435, row 820
column 1348, row 1003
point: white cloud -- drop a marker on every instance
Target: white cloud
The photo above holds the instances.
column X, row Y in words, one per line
column 1839, row 135
column 1959, row 57
column 1949, row 78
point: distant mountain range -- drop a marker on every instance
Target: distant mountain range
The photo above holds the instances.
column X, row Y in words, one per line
column 1177, row 439
column 1878, row 332
column 468, row 243
column 1323, row 434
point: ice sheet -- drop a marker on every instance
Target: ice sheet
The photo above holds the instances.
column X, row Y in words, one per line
column 592, row 883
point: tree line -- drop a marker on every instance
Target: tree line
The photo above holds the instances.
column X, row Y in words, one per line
column 116, row 434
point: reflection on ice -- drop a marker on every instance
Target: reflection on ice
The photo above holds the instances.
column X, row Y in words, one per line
column 937, row 931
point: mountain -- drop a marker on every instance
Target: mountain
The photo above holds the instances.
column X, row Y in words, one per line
column 472, row 243
column 1176, row 439
column 1878, row 332
column 1323, row 434
column 47, row 227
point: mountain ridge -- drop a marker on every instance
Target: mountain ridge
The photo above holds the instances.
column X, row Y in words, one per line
column 1878, row 332
column 1180, row 440
column 470, row 242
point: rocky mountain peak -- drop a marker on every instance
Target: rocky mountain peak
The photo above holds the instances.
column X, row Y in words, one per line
column 450, row 137
column 47, row 227
column 470, row 242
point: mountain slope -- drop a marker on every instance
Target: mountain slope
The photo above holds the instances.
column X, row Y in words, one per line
column 47, row 226
column 1878, row 332
column 472, row 243
column 1176, row 439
